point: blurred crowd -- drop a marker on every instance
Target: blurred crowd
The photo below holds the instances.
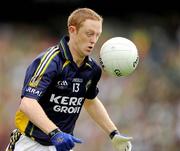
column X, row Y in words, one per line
column 144, row 105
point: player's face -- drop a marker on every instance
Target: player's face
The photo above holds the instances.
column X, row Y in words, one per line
column 86, row 37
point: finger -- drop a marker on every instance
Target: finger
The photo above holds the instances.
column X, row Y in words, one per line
column 76, row 140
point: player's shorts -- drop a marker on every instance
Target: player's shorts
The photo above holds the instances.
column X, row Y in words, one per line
column 20, row 142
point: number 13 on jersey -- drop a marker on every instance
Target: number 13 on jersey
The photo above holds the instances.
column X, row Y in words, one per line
column 76, row 87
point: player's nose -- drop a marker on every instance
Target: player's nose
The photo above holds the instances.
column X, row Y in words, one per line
column 93, row 39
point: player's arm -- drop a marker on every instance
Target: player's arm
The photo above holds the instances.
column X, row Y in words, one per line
column 38, row 78
column 99, row 114
column 32, row 109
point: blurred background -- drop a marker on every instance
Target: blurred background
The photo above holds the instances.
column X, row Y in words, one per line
column 145, row 105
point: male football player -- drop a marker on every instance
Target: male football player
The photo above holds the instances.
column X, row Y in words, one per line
column 57, row 84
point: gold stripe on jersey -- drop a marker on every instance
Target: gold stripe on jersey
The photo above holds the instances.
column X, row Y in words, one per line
column 51, row 58
column 32, row 129
column 21, row 121
column 65, row 64
column 45, row 61
column 87, row 64
column 42, row 60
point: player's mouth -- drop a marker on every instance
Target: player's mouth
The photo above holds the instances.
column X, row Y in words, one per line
column 90, row 47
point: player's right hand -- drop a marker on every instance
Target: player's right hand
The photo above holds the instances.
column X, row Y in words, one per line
column 64, row 141
column 121, row 143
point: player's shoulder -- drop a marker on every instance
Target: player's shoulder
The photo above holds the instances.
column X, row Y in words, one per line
column 51, row 52
column 49, row 57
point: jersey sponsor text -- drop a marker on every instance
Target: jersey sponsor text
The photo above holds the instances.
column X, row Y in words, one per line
column 66, row 104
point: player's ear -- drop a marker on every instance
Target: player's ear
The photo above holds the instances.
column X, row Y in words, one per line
column 72, row 29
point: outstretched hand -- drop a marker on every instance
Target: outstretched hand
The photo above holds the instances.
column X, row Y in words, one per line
column 64, row 141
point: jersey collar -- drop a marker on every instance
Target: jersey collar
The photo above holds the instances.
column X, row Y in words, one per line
column 67, row 54
column 65, row 48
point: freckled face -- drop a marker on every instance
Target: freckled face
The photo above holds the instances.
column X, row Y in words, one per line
column 86, row 37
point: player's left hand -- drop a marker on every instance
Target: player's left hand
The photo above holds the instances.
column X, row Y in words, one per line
column 63, row 141
column 121, row 143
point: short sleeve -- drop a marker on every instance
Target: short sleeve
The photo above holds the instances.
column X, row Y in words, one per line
column 93, row 90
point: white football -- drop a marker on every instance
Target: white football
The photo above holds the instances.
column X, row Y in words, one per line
column 119, row 56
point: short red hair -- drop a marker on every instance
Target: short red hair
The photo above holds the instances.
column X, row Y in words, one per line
column 78, row 16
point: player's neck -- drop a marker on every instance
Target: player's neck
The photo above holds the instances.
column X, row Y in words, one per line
column 77, row 58
column 79, row 61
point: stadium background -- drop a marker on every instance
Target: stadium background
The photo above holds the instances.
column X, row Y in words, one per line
column 145, row 105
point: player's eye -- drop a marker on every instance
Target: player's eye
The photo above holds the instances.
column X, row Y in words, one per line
column 89, row 34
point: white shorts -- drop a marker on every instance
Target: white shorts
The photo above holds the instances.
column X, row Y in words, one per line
column 24, row 143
